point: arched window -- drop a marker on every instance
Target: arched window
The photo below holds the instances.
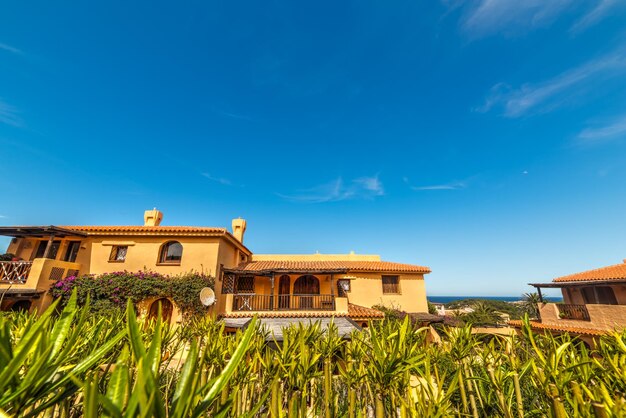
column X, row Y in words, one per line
column 306, row 285
column 303, row 287
column 171, row 253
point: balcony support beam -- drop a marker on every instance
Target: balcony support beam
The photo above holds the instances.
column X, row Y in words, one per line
column 46, row 253
column 273, row 298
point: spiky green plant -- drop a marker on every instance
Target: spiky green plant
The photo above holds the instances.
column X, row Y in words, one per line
column 71, row 364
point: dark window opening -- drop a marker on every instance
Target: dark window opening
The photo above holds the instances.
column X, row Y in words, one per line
column 118, row 253
column 72, row 251
column 245, row 284
column 391, row 284
column 603, row 295
column 52, row 254
column 343, row 287
column 171, row 253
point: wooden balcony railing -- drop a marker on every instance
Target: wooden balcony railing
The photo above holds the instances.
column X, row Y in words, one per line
column 569, row 311
column 254, row 302
column 14, row 271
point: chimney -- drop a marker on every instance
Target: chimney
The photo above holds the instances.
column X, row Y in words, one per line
column 152, row 217
column 239, row 227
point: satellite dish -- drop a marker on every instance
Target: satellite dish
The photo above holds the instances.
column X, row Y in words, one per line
column 207, row 296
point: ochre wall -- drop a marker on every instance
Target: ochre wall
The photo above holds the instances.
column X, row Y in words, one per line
column 575, row 295
column 367, row 290
column 602, row 317
column 199, row 254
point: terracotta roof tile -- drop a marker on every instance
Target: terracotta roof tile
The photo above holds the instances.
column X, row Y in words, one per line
column 350, row 265
column 354, row 312
column 615, row 272
column 156, row 230
column 559, row 328
column 284, row 314
column 361, row 312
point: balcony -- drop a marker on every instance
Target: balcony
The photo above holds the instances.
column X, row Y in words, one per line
column 575, row 312
column 590, row 316
column 37, row 274
column 14, row 271
column 255, row 302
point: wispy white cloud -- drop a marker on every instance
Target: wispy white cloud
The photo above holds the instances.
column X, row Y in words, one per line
column 338, row 189
column 485, row 17
column 613, row 130
column 549, row 94
column 596, row 14
column 220, row 180
column 453, row 185
column 235, row 116
column 509, row 17
column 9, row 115
column 11, row 49
column 3, row 216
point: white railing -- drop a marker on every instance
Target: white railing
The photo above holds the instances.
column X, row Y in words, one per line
column 14, row 271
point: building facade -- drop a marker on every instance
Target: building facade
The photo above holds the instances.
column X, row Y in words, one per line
column 594, row 303
column 247, row 284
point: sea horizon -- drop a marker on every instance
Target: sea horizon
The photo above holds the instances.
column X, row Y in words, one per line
column 448, row 299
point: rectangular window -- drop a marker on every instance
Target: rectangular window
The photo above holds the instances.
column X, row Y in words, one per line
column 72, row 251
column 343, row 287
column 603, row 295
column 52, row 254
column 391, row 284
column 245, row 284
column 118, row 253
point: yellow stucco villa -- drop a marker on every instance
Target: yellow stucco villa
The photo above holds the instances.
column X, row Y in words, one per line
column 247, row 284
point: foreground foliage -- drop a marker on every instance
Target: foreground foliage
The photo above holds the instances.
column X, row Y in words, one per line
column 76, row 364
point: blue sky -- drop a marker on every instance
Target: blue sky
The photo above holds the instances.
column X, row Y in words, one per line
column 485, row 139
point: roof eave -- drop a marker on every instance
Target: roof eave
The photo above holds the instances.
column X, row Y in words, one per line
column 39, row 231
column 578, row 283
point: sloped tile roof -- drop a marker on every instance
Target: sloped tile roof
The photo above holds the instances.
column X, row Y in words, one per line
column 284, row 314
column 349, row 265
column 361, row 312
column 558, row 328
column 615, row 272
column 354, row 312
column 148, row 230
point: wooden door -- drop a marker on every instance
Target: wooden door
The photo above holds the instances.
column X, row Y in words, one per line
column 306, row 285
column 284, row 292
column 166, row 309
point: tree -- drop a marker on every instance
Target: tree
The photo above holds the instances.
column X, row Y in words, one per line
column 483, row 314
column 432, row 309
column 531, row 304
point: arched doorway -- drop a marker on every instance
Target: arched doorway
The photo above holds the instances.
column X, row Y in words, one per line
column 306, row 285
column 284, row 292
column 166, row 309
column 21, row 306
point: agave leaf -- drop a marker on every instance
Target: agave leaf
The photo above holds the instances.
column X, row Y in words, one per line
column 23, row 348
column 89, row 361
column 62, row 325
column 185, row 387
column 228, row 371
column 118, row 387
column 134, row 335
